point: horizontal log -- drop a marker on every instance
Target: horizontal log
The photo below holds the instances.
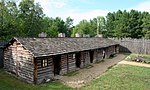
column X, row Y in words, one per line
column 44, row 68
column 44, row 71
column 45, row 75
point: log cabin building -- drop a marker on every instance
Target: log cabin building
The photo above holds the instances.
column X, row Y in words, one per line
column 38, row 60
column 2, row 46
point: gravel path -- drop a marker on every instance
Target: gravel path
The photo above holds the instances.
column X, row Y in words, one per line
column 86, row 75
column 134, row 63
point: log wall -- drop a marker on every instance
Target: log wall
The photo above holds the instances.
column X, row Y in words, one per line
column 19, row 61
column 111, row 50
column 67, row 63
column 44, row 74
column 98, row 55
column 85, row 58
column 64, row 64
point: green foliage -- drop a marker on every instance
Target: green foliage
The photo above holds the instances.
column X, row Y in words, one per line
column 122, row 77
column 144, row 58
column 122, row 24
column 27, row 20
column 69, row 26
column 8, row 20
column 53, row 26
column 90, row 28
column 30, row 15
column 22, row 21
column 147, row 35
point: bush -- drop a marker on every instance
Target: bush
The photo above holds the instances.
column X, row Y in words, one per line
column 139, row 58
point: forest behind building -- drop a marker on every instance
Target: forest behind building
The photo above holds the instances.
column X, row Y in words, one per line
column 27, row 19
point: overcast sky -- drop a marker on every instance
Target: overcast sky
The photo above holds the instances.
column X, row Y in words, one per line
column 88, row 9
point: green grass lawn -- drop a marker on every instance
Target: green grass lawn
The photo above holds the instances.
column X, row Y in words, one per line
column 8, row 82
column 119, row 77
column 122, row 77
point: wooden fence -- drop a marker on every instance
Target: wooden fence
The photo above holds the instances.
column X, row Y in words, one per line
column 139, row 46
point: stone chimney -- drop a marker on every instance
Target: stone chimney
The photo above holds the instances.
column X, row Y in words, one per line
column 42, row 35
column 86, row 35
column 99, row 35
column 77, row 35
column 61, row 35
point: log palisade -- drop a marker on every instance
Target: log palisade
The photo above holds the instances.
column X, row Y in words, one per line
column 39, row 60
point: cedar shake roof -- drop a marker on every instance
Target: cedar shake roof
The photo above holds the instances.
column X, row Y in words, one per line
column 53, row 46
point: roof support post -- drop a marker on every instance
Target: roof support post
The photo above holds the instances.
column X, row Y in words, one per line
column 35, row 70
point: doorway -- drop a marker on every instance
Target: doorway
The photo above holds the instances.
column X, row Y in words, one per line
column 115, row 48
column 104, row 54
column 91, row 56
column 78, row 61
column 57, row 64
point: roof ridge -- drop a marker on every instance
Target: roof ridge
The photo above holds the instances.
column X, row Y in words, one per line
column 44, row 46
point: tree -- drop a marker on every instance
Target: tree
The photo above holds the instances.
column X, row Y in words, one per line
column 69, row 26
column 122, row 24
column 91, row 28
column 31, row 16
column 101, row 25
column 83, row 28
column 135, row 24
column 53, row 26
column 8, row 19
column 110, row 24
column 3, row 13
column 146, row 23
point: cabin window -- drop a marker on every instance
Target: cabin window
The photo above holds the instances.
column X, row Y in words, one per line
column 44, row 62
column 74, row 56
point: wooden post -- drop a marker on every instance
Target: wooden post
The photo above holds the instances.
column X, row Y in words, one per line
column 67, row 64
column 35, row 70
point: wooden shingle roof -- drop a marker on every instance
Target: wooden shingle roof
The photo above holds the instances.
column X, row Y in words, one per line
column 53, row 46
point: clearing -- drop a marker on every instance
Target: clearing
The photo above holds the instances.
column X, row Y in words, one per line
column 118, row 77
column 122, row 77
column 87, row 74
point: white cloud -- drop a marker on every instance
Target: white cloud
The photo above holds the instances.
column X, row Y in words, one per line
column 52, row 3
column 78, row 15
column 50, row 6
column 144, row 6
column 54, row 8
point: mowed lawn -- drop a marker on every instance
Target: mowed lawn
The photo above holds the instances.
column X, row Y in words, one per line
column 7, row 82
column 119, row 77
column 122, row 77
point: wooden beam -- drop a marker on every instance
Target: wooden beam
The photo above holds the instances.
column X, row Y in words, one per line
column 35, row 70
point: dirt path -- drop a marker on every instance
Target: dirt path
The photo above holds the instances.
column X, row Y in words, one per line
column 86, row 75
column 134, row 63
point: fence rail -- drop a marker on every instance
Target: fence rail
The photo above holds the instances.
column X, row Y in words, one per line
column 139, row 46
